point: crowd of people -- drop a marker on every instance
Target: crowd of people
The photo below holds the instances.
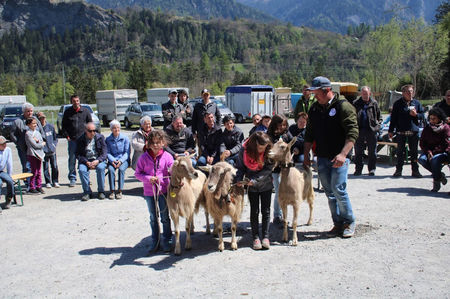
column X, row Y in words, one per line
column 325, row 125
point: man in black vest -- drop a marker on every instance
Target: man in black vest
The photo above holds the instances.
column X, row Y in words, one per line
column 170, row 108
column 333, row 126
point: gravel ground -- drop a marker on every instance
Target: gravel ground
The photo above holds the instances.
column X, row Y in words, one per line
column 57, row 246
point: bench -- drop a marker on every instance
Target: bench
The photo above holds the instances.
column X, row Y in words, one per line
column 17, row 178
column 391, row 153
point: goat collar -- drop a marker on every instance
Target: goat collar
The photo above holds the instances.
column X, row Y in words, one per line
column 177, row 187
column 287, row 165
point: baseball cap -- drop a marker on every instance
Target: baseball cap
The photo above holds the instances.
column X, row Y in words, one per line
column 319, row 82
column 2, row 140
column 41, row 115
column 205, row 91
column 173, row 90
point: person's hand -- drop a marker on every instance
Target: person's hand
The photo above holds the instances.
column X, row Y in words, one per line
column 36, row 140
column 95, row 163
column 391, row 135
column 448, row 120
column 306, row 162
column 339, row 160
column 209, row 160
column 430, row 156
column 296, row 151
column 43, row 143
column 226, row 153
column 250, row 183
column 413, row 112
column 154, row 180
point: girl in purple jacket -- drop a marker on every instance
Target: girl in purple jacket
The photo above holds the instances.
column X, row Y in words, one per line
column 152, row 169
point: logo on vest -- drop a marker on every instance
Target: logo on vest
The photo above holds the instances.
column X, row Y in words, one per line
column 332, row 112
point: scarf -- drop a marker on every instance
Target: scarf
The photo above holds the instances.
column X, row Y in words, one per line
column 252, row 164
column 437, row 128
column 150, row 152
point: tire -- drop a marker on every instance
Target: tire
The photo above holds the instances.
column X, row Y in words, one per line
column 127, row 123
column 239, row 118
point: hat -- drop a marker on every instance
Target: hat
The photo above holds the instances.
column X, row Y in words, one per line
column 319, row 82
column 2, row 140
column 205, row 91
column 41, row 115
column 173, row 90
column 184, row 91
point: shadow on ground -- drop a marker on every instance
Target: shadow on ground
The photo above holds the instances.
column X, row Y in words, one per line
column 416, row 192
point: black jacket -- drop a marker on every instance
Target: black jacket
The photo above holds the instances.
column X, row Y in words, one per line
column 100, row 146
column 200, row 110
column 373, row 114
column 209, row 140
column 401, row 120
column 73, row 123
column 169, row 112
column 180, row 142
column 187, row 111
column 262, row 180
column 300, row 134
column 443, row 105
column 232, row 140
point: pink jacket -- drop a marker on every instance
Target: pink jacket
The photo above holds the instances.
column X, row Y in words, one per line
column 147, row 167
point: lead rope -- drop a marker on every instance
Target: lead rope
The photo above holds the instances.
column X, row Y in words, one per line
column 155, row 199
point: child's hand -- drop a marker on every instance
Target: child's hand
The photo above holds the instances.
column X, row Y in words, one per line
column 154, row 180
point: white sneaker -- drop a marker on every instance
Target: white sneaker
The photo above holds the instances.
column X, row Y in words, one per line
column 48, row 185
column 56, row 185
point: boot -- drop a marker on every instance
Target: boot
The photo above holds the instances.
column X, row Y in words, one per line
column 8, row 203
column 415, row 170
column 436, row 186
column 443, row 179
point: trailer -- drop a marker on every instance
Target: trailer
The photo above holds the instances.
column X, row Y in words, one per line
column 112, row 104
column 247, row 100
column 13, row 99
column 282, row 101
column 348, row 90
column 295, row 97
column 161, row 95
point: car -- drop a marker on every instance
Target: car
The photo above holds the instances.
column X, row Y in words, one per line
column 136, row 111
column 63, row 108
column 224, row 110
column 8, row 114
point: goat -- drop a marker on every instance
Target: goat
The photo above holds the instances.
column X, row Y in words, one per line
column 295, row 186
column 223, row 198
column 185, row 188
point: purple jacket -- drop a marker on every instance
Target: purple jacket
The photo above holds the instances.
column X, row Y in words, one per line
column 433, row 142
column 147, row 167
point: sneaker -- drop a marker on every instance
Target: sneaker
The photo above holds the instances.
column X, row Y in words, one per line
column 101, row 195
column 48, row 185
column 119, row 195
column 266, row 243
column 72, row 184
column 416, row 174
column 357, row 173
column 335, row 231
column 443, row 179
column 349, row 230
column 8, row 203
column 111, row 195
column 257, row 244
column 397, row 173
column 40, row 190
column 85, row 197
column 372, row 172
column 56, row 185
column 33, row 191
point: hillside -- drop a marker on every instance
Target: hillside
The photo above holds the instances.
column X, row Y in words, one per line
column 52, row 16
column 338, row 15
column 202, row 9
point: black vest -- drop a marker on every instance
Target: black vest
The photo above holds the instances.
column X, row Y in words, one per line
column 328, row 131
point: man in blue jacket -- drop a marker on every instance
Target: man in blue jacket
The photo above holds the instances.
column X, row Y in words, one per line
column 407, row 114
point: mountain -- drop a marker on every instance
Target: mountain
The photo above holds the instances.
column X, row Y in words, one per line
column 52, row 16
column 338, row 15
column 203, row 9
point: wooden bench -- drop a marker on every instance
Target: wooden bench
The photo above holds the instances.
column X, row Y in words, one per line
column 17, row 178
column 391, row 146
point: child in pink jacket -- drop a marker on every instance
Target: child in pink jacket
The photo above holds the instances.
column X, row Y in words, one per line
column 152, row 169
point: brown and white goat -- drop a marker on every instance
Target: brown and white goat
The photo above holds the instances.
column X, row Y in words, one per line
column 186, row 184
column 295, row 186
column 223, row 198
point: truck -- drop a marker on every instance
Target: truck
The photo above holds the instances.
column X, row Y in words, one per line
column 112, row 104
column 282, row 101
column 12, row 99
column 160, row 95
column 247, row 100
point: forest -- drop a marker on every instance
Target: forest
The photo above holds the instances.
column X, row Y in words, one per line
column 155, row 49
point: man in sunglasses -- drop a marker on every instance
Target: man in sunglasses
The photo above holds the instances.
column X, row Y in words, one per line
column 92, row 155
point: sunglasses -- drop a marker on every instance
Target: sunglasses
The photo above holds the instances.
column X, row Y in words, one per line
column 90, row 131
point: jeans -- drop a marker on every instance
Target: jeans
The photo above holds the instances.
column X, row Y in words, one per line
column 413, row 142
column 435, row 165
column 26, row 167
column 5, row 177
column 54, row 166
column 334, row 181
column 366, row 138
column 112, row 176
column 72, row 148
column 202, row 160
column 254, row 198
column 83, row 171
column 232, row 159
column 276, row 206
column 164, row 215
column 36, row 179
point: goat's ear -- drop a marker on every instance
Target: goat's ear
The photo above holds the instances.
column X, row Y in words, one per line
column 175, row 163
column 191, row 156
column 292, row 142
column 206, row 168
column 231, row 169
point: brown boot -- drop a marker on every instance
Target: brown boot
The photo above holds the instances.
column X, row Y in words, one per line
column 8, row 203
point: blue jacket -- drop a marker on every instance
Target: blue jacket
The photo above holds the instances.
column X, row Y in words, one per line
column 118, row 148
column 401, row 120
column 52, row 140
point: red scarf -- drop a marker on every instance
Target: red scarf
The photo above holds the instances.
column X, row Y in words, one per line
column 252, row 164
column 150, row 152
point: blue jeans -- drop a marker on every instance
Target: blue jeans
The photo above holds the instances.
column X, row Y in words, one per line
column 54, row 166
column 5, row 177
column 83, row 171
column 112, row 176
column 276, row 206
column 26, row 166
column 202, row 160
column 435, row 165
column 334, row 181
column 72, row 148
column 165, row 220
column 232, row 159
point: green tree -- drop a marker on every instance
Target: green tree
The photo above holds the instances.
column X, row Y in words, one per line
column 31, row 94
